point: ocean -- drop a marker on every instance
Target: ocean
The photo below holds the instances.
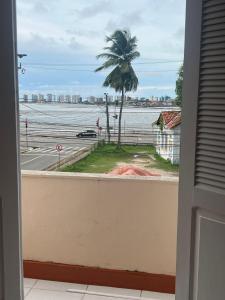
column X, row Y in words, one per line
column 83, row 116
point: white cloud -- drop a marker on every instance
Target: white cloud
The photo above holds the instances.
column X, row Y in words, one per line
column 74, row 31
column 94, row 9
column 40, row 8
column 127, row 20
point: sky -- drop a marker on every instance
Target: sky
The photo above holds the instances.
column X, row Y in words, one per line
column 62, row 38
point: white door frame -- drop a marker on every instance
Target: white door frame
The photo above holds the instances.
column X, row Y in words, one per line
column 10, row 225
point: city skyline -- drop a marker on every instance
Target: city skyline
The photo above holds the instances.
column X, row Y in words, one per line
column 78, row 98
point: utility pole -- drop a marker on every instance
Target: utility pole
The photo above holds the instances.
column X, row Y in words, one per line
column 26, row 125
column 115, row 117
column 107, row 116
column 20, row 65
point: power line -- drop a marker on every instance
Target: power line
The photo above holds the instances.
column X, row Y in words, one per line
column 92, row 71
column 91, row 64
column 44, row 113
column 56, row 116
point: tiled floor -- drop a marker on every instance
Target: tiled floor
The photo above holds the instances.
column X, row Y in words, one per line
column 51, row 290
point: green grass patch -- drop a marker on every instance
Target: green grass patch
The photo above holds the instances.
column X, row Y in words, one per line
column 105, row 157
column 163, row 164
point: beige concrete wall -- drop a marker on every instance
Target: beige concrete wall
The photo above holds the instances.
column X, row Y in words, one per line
column 108, row 222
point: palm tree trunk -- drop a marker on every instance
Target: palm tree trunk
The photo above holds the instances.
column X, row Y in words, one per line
column 120, row 119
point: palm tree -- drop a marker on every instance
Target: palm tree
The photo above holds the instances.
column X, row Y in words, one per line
column 119, row 54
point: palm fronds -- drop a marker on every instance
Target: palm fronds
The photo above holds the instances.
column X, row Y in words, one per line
column 121, row 52
column 119, row 56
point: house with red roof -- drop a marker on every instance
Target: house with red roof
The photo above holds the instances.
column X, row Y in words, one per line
column 167, row 135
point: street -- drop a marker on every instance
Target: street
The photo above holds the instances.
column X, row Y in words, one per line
column 38, row 144
column 42, row 158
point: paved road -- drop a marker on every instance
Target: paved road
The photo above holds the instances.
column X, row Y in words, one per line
column 42, row 158
column 38, row 146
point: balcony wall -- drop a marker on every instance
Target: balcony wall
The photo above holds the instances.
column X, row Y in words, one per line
column 100, row 221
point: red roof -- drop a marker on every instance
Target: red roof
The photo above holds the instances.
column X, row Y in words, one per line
column 170, row 119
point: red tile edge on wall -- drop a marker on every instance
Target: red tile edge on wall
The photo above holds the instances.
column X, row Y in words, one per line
column 98, row 276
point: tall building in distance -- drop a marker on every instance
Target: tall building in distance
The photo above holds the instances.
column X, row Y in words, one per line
column 151, row 101
column 99, row 100
column 25, row 98
column 76, row 99
column 110, row 98
column 41, row 98
column 34, row 98
column 49, row 97
column 118, row 98
column 61, row 98
column 91, row 99
column 68, row 99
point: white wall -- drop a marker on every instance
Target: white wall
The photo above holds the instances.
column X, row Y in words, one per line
column 100, row 221
column 169, row 149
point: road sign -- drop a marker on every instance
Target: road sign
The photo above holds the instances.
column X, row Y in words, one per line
column 59, row 147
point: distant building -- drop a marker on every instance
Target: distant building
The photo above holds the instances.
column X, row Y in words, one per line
column 49, row 97
column 76, row 98
column 110, row 99
column 167, row 135
column 99, row 100
column 91, row 99
column 169, row 102
column 68, row 99
column 25, row 98
column 167, row 98
column 118, row 99
column 41, row 98
column 34, row 98
column 153, row 103
column 61, row 98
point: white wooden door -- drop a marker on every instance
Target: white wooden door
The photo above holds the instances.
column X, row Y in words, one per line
column 10, row 249
column 201, row 224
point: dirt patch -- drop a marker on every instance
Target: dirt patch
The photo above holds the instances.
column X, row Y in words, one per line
column 147, row 162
